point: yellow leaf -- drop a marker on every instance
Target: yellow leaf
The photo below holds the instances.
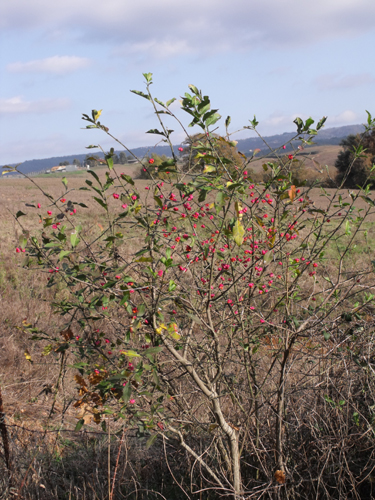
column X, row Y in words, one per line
column 137, row 208
column 238, row 208
column 130, row 354
column 97, row 114
column 238, row 233
column 173, row 331
column 209, row 168
column 27, row 356
column 229, row 183
column 161, row 328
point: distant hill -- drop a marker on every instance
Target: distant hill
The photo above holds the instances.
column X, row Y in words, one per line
column 329, row 136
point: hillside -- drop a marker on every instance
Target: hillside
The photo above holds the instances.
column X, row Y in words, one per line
column 329, row 136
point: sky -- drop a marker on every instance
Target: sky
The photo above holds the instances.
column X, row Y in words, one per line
column 276, row 59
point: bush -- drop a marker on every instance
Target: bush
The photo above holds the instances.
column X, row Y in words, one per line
column 208, row 313
column 354, row 163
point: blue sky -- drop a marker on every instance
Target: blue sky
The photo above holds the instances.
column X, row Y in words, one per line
column 277, row 59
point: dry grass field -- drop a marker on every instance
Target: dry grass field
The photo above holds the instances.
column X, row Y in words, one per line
column 24, row 297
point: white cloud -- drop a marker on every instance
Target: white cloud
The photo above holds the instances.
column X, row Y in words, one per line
column 58, row 65
column 167, row 27
column 159, row 49
column 345, row 118
column 17, row 105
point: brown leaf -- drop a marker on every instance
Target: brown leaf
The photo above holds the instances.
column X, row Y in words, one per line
column 80, row 380
column 280, row 476
column 67, row 334
column 83, row 390
column 95, row 398
column 292, row 193
column 95, row 378
column 79, row 403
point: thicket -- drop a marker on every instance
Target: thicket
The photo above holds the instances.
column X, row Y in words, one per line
column 221, row 318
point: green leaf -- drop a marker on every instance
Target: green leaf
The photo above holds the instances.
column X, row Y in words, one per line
column 109, row 161
column 368, row 200
column 64, row 253
column 155, row 131
column 158, row 201
column 321, row 123
column 128, row 179
column 141, row 310
column 159, row 102
column 79, row 425
column 326, row 335
column 101, row 202
column 238, row 233
column 19, row 214
column 308, row 123
column 170, row 101
column 299, row 124
column 126, row 393
column 91, row 172
column 154, row 350
column 172, row 286
column 211, row 120
column 220, row 201
column 65, row 182
column 148, row 77
column 142, row 94
column 151, row 440
column 194, row 89
column 74, row 239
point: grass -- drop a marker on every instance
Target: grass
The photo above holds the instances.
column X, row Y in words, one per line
column 61, row 463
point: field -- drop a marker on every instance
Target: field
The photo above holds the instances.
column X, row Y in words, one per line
column 56, row 462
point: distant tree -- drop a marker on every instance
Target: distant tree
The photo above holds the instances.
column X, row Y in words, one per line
column 356, row 171
column 115, row 159
column 122, row 158
column 63, row 163
column 226, row 154
column 76, row 162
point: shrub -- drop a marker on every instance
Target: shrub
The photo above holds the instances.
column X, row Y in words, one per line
column 355, row 162
column 208, row 314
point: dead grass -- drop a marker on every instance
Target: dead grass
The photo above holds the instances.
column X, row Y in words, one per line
column 81, row 462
